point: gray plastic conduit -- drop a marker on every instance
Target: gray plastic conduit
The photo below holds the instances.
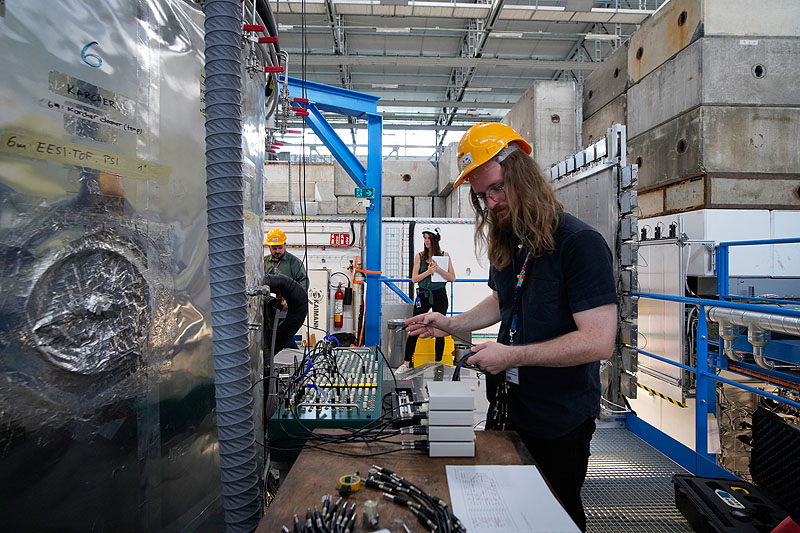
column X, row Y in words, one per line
column 240, row 485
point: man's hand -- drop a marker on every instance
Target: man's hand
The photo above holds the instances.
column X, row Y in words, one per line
column 494, row 357
column 284, row 304
column 428, row 325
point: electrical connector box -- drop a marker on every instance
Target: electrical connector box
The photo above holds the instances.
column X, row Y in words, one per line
column 451, row 433
column 452, row 449
column 450, row 395
column 450, row 418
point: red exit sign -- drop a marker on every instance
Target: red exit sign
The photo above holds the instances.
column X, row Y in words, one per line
column 340, row 239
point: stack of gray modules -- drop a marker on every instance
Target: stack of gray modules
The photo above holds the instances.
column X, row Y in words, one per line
column 713, row 106
column 450, row 419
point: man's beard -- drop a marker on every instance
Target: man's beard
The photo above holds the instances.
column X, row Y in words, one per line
column 501, row 218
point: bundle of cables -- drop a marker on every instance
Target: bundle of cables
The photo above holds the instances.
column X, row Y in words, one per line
column 431, row 511
column 320, row 366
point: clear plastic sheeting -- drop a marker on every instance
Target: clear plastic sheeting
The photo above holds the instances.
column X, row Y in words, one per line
column 107, row 406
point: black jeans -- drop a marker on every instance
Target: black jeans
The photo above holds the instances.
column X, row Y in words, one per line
column 440, row 305
column 563, row 461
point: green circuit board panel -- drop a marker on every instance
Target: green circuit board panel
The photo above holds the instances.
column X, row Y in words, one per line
column 344, row 394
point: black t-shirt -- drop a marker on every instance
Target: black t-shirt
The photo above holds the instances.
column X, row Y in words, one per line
column 576, row 276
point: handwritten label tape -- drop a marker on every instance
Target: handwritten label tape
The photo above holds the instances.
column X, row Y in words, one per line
column 51, row 149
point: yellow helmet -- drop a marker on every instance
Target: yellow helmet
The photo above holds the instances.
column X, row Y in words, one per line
column 276, row 237
column 482, row 142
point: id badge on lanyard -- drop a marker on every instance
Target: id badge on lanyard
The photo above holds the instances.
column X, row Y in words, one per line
column 512, row 374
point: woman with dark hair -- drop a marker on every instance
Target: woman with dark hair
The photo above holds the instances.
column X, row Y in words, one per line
column 431, row 294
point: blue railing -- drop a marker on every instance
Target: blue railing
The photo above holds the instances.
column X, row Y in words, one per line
column 705, row 398
column 701, row 462
column 390, row 282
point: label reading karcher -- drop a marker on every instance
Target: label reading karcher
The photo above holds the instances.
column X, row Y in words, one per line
column 50, row 149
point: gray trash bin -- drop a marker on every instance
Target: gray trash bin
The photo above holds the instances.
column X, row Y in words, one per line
column 397, row 341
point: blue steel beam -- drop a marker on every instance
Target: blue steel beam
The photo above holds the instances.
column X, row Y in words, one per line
column 360, row 105
column 335, row 144
column 334, row 99
column 372, row 325
column 403, row 296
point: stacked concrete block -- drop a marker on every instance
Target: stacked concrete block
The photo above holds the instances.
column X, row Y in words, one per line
column 423, row 207
column 448, row 169
column 605, row 98
column 402, row 182
column 545, row 117
column 283, row 177
column 403, row 207
column 714, row 108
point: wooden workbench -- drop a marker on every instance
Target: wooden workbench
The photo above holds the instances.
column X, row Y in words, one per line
column 315, row 474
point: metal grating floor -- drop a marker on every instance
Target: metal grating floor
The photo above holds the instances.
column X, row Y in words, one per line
column 628, row 487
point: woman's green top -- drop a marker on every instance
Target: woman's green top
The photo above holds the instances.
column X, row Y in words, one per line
column 426, row 284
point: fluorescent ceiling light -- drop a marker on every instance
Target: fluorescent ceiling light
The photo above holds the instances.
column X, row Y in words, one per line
column 600, row 37
column 507, row 34
column 479, row 89
column 392, row 30
column 385, row 86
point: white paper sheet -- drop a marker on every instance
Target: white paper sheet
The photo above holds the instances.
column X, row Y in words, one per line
column 444, row 263
column 505, row 499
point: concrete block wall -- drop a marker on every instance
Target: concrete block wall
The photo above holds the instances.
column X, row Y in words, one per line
column 410, row 188
column 545, row 116
column 713, row 107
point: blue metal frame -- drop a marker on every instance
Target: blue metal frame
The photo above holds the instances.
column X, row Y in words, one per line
column 390, row 282
column 699, row 461
column 323, row 97
column 723, row 257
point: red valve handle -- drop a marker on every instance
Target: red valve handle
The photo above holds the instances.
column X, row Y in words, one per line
column 294, row 108
column 293, row 131
column 301, row 100
column 273, row 69
column 254, row 27
column 302, row 113
column 263, row 40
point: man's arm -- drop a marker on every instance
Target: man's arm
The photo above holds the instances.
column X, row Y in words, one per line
column 592, row 341
column 485, row 313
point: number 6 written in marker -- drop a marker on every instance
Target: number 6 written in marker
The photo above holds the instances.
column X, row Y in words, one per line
column 93, row 60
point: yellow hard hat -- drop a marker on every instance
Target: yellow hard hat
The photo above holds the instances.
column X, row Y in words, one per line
column 482, row 142
column 276, row 237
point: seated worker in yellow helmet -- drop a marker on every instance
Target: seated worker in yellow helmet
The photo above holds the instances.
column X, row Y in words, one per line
column 280, row 261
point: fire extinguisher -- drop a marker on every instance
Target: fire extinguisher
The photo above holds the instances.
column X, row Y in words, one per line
column 338, row 308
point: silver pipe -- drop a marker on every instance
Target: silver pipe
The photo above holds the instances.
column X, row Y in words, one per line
column 729, row 332
column 759, row 339
column 758, row 326
column 767, row 321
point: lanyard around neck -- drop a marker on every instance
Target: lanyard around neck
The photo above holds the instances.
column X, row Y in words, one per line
column 520, row 280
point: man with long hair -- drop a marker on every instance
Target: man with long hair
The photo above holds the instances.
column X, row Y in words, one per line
column 554, row 295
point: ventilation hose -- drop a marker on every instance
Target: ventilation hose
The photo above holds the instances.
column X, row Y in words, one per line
column 226, row 265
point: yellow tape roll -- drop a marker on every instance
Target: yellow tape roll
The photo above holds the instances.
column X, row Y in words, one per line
column 352, row 481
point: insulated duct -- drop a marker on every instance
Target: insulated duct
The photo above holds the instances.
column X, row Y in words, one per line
column 297, row 306
column 224, row 183
column 757, row 324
